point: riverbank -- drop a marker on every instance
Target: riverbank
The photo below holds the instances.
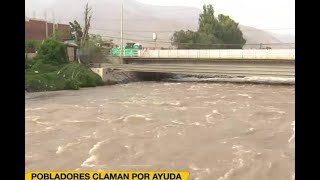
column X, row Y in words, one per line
column 40, row 76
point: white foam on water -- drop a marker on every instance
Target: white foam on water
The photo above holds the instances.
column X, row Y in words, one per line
column 137, row 165
column 193, row 167
column 245, row 95
column 177, row 122
column 210, row 118
column 281, row 112
column 35, row 109
column 193, row 88
column 210, row 102
column 226, row 175
column 96, row 146
column 181, row 108
column 173, row 103
column 160, row 134
column 61, row 149
column 102, row 119
column 36, row 120
column 169, row 125
column 293, row 129
column 199, row 171
column 28, row 157
column 40, row 131
column 216, row 112
column 73, row 121
column 250, row 130
column 237, row 160
column 134, row 116
column 33, row 118
column 90, row 162
column 270, row 79
column 43, row 123
column 197, row 124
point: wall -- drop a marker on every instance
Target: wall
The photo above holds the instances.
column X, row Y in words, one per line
column 71, row 53
column 30, row 55
column 36, row 30
column 102, row 72
column 221, row 53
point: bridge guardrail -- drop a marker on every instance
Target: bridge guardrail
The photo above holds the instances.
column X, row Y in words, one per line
column 219, row 53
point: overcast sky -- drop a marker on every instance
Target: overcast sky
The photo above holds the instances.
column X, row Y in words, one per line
column 262, row 14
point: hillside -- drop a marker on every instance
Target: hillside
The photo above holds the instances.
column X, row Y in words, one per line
column 141, row 20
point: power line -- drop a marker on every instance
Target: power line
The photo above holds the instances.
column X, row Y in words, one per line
column 141, row 40
column 162, row 31
column 166, row 31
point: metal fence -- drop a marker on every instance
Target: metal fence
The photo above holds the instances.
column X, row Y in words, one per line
column 219, row 53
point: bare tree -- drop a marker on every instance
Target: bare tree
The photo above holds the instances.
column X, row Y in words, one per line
column 87, row 19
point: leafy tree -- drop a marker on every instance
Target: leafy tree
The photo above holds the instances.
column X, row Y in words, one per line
column 212, row 33
column 184, row 39
column 208, row 24
column 231, row 35
column 53, row 52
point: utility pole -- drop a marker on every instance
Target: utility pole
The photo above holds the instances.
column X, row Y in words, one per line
column 121, row 49
column 154, row 37
column 45, row 16
column 53, row 24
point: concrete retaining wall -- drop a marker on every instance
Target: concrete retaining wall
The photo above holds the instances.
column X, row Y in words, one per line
column 102, row 72
column 30, row 55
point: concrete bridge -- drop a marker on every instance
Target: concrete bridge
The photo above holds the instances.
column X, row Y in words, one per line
column 233, row 63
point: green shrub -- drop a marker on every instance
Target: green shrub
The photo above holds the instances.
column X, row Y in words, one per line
column 82, row 75
column 29, row 63
column 41, row 67
column 34, row 44
column 71, row 84
column 70, row 76
column 53, row 52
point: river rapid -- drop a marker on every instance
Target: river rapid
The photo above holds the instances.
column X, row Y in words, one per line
column 217, row 131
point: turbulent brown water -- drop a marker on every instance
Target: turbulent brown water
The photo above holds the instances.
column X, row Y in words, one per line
column 215, row 131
